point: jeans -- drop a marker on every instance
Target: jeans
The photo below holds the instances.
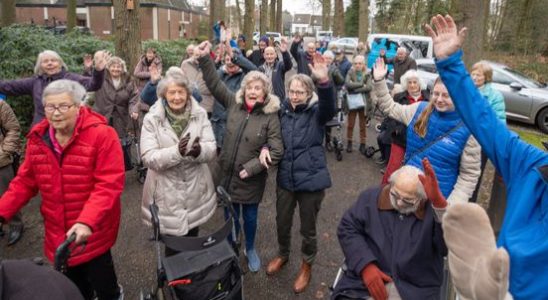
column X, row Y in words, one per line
column 250, row 212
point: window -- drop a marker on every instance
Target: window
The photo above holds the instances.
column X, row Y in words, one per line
column 501, row 78
column 428, row 67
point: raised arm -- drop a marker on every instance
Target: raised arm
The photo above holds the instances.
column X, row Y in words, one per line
column 218, row 89
column 469, row 172
column 326, row 92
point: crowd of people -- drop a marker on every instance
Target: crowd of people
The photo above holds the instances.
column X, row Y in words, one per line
column 224, row 117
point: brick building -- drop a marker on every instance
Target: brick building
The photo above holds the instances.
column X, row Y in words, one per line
column 160, row 19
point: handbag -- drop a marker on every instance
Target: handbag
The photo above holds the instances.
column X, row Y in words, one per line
column 355, row 101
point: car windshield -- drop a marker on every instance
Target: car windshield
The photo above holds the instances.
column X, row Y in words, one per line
column 526, row 80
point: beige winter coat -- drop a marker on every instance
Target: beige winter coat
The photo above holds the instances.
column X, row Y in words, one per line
column 10, row 141
column 182, row 186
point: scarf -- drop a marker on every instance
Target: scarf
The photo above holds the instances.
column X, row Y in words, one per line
column 178, row 122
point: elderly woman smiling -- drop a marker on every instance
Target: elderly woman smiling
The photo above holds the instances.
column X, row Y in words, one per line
column 177, row 142
column 74, row 159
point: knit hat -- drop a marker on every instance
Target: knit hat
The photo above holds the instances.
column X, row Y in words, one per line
column 479, row 270
column 241, row 37
column 264, row 38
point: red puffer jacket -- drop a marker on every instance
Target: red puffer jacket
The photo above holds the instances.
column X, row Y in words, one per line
column 85, row 187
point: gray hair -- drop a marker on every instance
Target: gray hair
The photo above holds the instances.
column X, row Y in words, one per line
column 409, row 172
column 411, row 74
column 174, row 71
column 306, row 81
column 76, row 91
column 329, row 53
column 38, row 66
column 172, row 78
column 402, row 49
column 117, row 60
column 257, row 76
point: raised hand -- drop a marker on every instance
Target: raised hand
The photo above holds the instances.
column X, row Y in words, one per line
column 319, row 69
column 203, row 49
column 155, row 73
column 101, row 59
column 430, row 184
column 88, row 61
column 446, row 38
column 380, row 69
column 283, row 44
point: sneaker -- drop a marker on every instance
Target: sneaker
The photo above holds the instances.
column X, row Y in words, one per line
column 253, row 260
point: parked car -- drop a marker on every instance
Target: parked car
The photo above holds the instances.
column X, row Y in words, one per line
column 526, row 99
column 276, row 36
column 347, row 44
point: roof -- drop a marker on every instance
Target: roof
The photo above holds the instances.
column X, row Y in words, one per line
column 316, row 21
column 301, row 19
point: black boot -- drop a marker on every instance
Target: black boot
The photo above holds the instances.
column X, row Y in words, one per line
column 349, row 147
column 362, row 149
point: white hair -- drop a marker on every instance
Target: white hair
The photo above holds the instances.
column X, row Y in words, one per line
column 406, row 172
column 76, row 91
column 172, row 77
column 402, row 49
column 174, row 71
column 329, row 53
column 115, row 60
column 38, row 66
column 404, row 80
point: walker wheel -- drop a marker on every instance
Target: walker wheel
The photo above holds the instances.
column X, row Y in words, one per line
column 369, row 151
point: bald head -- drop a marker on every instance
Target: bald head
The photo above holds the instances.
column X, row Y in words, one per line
column 401, row 53
column 310, row 48
column 269, row 55
column 406, row 190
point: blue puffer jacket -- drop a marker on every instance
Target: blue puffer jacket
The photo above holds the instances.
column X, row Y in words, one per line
column 444, row 154
column 303, row 167
column 524, row 168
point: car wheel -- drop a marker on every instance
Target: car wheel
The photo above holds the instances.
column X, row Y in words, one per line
column 542, row 120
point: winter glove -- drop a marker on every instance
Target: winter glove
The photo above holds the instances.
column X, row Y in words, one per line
column 196, row 148
column 374, row 280
column 431, row 187
column 183, row 143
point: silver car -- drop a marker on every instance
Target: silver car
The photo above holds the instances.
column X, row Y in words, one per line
column 347, row 44
column 526, row 99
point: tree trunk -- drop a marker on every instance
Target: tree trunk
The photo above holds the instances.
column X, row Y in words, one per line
column 239, row 16
column 249, row 22
column 127, row 32
column 221, row 14
column 8, row 12
column 71, row 15
column 326, row 14
column 272, row 16
column 263, row 18
column 279, row 17
column 471, row 14
column 338, row 18
column 363, row 28
column 212, row 19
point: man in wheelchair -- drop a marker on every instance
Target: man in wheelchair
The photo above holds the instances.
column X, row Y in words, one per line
column 392, row 239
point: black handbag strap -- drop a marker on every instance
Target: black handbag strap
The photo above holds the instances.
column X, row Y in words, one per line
column 439, row 138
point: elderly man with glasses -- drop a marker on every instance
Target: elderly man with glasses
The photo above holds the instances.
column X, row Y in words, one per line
column 392, row 239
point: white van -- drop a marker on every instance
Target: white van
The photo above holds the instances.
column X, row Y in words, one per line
column 324, row 35
column 418, row 46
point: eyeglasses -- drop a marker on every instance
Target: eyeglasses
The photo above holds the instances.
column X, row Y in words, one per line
column 63, row 108
column 297, row 93
column 408, row 201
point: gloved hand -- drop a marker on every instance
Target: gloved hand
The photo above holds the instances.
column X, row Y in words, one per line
column 183, row 144
column 431, row 187
column 373, row 278
column 196, row 148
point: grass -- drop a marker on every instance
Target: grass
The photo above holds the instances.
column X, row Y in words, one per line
column 531, row 137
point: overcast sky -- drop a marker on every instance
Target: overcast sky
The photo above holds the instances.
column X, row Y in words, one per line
column 293, row 6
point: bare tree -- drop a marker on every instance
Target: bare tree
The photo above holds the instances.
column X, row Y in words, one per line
column 470, row 14
column 249, row 22
column 363, row 20
column 263, row 21
column 8, row 12
column 71, row 14
column 127, row 31
column 279, row 16
column 338, row 18
column 239, row 15
column 272, row 16
column 326, row 14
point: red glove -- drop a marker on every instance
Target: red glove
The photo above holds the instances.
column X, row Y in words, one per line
column 374, row 280
column 431, row 187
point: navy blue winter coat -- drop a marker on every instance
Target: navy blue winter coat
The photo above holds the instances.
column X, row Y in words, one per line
column 344, row 66
column 302, row 58
column 408, row 248
column 303, row 167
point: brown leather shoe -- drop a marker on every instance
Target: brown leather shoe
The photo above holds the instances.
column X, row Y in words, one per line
column 275, row 265
column 303, row 278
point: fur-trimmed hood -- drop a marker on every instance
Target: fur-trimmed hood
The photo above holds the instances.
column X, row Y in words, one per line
column 271, row 105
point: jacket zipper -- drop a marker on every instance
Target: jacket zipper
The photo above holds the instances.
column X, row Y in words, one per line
column 235, row 151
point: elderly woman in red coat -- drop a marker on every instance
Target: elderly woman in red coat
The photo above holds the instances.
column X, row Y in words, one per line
column 74, row 159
